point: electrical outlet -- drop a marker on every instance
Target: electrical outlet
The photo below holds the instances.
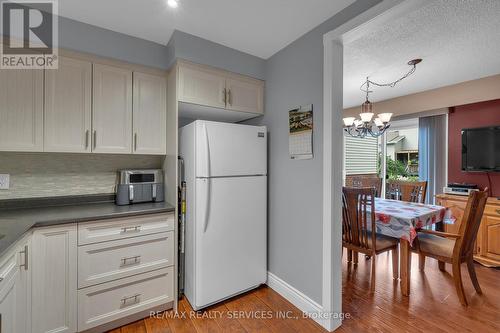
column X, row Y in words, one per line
column 4, row 181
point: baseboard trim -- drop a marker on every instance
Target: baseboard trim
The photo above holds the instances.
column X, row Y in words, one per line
column 297, row 298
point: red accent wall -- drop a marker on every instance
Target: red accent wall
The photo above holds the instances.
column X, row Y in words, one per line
column 470, row 116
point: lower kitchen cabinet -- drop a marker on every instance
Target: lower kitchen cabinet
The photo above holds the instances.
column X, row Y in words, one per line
column 15, row 289
column 107, row 302
column 63, row 279
column 54, row 293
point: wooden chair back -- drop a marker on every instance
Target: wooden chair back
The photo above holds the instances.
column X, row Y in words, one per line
column 358, row 209
column 407, row 190
column 365, row 181
column 471, row 221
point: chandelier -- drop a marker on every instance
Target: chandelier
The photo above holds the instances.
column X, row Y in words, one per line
column 367, row 125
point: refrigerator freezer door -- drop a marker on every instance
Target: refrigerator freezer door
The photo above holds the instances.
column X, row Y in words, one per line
column 231, row 237
column 230, row 149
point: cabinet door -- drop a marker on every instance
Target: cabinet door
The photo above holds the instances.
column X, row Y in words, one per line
column 8, row 308
column 9, row 274
column 68, row 106
column 245, row 95
column 112, row 110
column 491, row 237
column 21, row 110
column 150, row 114
column 457, row 211
column 54, row 291
column 23, row 287
column 201, row 86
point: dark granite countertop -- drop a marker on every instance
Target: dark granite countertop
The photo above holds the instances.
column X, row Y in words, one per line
column 16, row 219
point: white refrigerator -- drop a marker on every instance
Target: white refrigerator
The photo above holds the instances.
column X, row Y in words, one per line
column 226, row 197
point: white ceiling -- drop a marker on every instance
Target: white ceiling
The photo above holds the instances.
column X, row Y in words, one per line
column 257, row 27
column 459, row 40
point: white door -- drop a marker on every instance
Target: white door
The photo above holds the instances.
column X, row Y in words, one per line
column 54, row 288
column 150, row 114
column 230, row 236
column 68, row 106
column 245, row 95
column 112, row 111
column 21, row 110
column 230, row 149
column 201, row 86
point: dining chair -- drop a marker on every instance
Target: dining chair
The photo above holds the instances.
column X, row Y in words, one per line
column 359, row 229
column 365, row 181
column 456, row 249
column 410, row 191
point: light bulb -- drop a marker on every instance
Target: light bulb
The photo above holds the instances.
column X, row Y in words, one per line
column 366, row 117
column 385, row 117
column 173, row 3
column 358, row 123
column 349, row 121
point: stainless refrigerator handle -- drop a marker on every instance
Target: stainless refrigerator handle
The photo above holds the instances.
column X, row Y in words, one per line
column 207, row 203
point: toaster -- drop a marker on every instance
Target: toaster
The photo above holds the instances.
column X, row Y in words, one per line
column 137, row 186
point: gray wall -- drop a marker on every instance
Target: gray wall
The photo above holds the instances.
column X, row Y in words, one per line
column 294, row 77
column 202, row 51
column 82, row 37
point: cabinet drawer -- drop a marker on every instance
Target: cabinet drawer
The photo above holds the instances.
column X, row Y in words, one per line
column 110, row 301
column 492, row 210
column 101, row 231
column 103, row 262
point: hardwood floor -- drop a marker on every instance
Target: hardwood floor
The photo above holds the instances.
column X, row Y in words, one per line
column 433, row 306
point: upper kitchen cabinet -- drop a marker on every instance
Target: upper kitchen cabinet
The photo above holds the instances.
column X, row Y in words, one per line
column 68, row 106
column 149, row 114
column 213, row 94
column 199, row 85
column 245, row 94
column 112, row 110
column 21, row 110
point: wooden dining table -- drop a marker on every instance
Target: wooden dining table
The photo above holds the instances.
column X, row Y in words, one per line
column 401, row 219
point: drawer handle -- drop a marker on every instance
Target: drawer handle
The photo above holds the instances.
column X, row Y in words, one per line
column 131, row 300
column 131, row 229
column 130, row 261
column 498, row 211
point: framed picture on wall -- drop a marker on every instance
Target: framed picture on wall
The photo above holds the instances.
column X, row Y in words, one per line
column 300, row 133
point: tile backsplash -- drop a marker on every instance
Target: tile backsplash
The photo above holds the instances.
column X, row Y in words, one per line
column 35, row 175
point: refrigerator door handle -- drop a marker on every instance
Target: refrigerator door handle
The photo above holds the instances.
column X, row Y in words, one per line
column 207, row 150
column 207, row 204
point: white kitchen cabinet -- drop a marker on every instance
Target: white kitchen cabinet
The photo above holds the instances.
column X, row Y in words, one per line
column 202, row 86
column 21, row 110
column 245, row 94
column 215, row 88
column 112, row 110
column 149, row 114
column 15, row 289
column 68, row 106
column 54, row 279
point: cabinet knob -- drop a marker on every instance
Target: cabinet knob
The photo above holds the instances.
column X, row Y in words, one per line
column 498, row 211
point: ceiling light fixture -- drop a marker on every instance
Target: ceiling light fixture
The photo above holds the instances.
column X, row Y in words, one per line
column 361, row 128
column 173, row 3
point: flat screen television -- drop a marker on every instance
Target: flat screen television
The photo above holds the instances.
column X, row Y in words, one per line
column 481, row 149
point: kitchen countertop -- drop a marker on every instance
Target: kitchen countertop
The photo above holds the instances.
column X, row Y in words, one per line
column 16, row 221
